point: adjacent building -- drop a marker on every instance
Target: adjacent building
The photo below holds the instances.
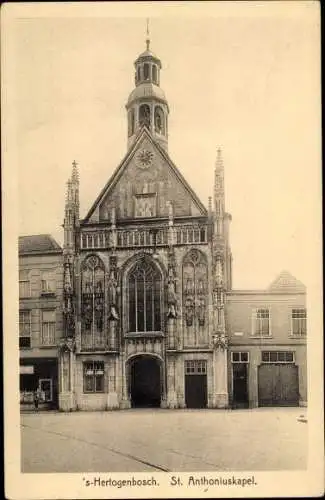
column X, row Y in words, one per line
column 144, row 312
column 40, row 317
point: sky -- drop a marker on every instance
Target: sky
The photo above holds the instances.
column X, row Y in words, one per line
column 246, row 79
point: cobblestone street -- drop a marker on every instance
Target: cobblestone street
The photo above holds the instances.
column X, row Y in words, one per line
column 164, row 440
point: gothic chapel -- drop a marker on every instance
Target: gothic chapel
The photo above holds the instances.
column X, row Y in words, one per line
column 147, row 274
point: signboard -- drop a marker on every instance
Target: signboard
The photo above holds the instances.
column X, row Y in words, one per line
column 26, row 370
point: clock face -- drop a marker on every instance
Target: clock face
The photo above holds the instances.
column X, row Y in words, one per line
column 144, row 158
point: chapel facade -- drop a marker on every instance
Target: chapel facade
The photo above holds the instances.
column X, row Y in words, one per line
column 150, row 317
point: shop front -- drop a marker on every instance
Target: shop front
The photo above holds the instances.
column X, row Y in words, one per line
column 42, row 375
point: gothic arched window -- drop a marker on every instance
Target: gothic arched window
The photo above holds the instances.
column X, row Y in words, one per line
column 144, row 115
column 195, row 292
column 159, row 120
column 92, row 302
column 144, row 297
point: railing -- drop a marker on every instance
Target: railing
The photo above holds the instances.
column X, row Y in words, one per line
column 142, row 237
column 188, row 235
column 98, row 239
column 133, row 238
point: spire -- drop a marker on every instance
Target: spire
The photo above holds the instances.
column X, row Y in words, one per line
column 219, row 194
column 148, row 36
column 75, row 189
column 75, row 173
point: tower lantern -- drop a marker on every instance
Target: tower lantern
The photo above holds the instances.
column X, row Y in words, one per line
column 147, row 105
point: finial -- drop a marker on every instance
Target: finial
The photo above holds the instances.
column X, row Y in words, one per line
column 219, row 162
column 75, row 175
column 148, row 37
column 210, row 205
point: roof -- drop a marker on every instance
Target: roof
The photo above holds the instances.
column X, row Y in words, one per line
column 147, row 90
column 119, row 170
column 285, row 282
column 147, row 54
column 38, row 243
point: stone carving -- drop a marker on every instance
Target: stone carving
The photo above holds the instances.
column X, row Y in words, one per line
column 219, row 273
column 171, row 294
column 194, row 288
column 189, row 310
column 99, row 306
column 112, row 291
column 220, row 340
column 201, row 310
column 68, row 309
column 67, row 344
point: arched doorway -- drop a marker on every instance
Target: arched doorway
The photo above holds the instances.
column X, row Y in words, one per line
column 145, row 382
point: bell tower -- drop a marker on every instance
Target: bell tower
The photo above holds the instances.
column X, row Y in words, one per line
column 147, row 104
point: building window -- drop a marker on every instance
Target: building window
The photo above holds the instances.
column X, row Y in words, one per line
column 48, row 282
column 195, row 282
column 154, row 74
column 159, row 120
column 94, row 376
column 48, row 327
column 24, row 284
column 195, row 367
column 144, row 115
column 24, row 329
column 146, row 69
column 277, row 357
column 239, row 357
column 145, row 294
column 92, row 303
column 261, row 323
column 299, row 322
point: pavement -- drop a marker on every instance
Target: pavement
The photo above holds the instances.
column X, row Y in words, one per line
column 142, row 440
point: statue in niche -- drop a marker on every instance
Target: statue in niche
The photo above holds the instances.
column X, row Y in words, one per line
column 171, row 294
column 201, row 310
column 87, row 313
column 112, row 296
column 99, row 310
column 158, row 122
column 219, row 277
column 189, row 287
column 68, row 305
column 189, row 311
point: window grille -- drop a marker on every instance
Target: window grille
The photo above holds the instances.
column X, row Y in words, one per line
column 299, row 322
column 277, row 357
column 195, row 367
column 48, row 327
column 240, row 357
column 262, row 323
column 24, row 283
column 24, row 329
column 94, row 376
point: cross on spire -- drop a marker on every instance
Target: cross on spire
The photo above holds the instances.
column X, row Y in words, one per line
column 148, row 35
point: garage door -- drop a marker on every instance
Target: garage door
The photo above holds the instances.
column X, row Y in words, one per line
column 278, row 385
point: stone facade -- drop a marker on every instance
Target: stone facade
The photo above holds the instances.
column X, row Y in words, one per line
column 149, row 314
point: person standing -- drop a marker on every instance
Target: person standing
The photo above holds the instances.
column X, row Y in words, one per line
column 37, row 397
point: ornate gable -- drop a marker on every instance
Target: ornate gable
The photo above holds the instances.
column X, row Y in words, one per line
column 285, row 282
column 144, row 184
